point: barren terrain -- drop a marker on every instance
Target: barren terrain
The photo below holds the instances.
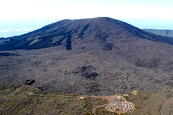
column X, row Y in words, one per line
column 100, row 56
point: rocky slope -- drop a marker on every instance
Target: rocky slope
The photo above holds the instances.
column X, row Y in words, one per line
column 100, row 56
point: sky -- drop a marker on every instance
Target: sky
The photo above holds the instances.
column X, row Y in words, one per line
column 22, row 16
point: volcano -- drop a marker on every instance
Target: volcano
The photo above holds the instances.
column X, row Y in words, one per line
column 97, row 56
column 69, row 32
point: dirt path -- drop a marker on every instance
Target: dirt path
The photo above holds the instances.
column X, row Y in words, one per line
column 94, row 109
column 110, row 98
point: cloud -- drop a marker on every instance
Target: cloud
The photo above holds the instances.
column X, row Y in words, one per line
column 25, row 29
column 5, row 30
column 16, row 30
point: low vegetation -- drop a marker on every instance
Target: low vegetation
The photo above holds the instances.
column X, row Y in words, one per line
column 30, row 100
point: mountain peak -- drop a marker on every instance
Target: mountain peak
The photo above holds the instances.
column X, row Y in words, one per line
column 68, row 32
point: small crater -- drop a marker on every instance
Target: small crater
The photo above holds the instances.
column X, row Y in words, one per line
column 90, row 75
column 151, row 63
column 29, row 81
column 108, row 46
column 86, row 72
column 84, row 69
